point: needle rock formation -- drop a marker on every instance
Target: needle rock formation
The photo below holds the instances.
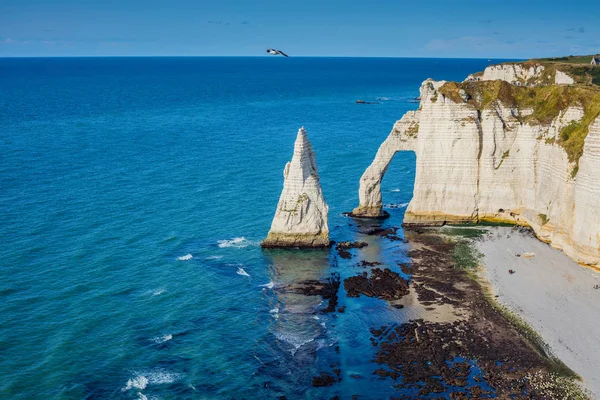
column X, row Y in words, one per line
column 301, row 216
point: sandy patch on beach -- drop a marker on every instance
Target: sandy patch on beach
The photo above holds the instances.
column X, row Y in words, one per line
column 552, row 293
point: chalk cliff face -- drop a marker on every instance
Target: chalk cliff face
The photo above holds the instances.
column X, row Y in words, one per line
column 301, row 216
column 512, row 72
column 486, row 151
column 524, row 74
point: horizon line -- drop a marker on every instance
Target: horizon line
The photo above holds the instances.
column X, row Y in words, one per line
column 256, row 56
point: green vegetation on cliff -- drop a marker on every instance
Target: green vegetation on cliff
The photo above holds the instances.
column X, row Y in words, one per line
column 545, row 102
column 577, row 67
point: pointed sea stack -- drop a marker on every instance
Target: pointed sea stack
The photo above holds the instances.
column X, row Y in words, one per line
column 301, row 216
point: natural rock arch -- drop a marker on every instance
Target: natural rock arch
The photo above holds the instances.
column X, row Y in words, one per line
column 369, row 192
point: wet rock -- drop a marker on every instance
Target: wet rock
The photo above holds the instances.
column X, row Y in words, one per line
column 383, row 284
column 351, row 245
column 365, row 263
column 345, row 254
column 328, row 290
column 324, row 379
column 466, row 357
column 343, row 247
column 376, row 230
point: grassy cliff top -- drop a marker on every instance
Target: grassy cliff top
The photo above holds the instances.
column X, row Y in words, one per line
column 577, row 67
column 545, row 102
column 568, row 59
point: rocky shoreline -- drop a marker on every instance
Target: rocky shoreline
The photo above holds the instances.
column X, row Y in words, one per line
column 462, row 345
column 477, row 353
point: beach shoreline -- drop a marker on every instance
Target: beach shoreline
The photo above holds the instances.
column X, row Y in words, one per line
column 550, row 292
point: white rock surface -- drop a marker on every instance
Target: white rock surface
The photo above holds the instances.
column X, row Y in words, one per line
column 563, row 79
column 475, row 166
column 301, row 216
column 512, row 72
column 522, row 74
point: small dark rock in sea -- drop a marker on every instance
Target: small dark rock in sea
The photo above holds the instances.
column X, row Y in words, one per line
column 324, row 379
column 405, row 268
column 365, row 263
column 342, row 309
column 395, row 238
column 328, row 290
column 350, row 245
column 389, row 233
column 383, row 284
column 345, row 254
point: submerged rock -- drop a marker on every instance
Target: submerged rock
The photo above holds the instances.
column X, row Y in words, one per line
column 301, row 216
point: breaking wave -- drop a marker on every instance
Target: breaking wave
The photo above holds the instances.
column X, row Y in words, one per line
column 186, row 257
column 162, row 339
column 269, row 285
column 241, row 271
column 238, row 242
column 155, row 377
column 137, row 382
column 295, row 340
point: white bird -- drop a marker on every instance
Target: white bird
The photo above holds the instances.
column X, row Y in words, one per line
column 274, row 52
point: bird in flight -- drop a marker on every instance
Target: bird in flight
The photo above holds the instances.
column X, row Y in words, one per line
column 276, row 52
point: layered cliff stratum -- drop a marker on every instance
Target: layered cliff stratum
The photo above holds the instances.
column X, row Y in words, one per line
column 518, row 143
column 301, row 216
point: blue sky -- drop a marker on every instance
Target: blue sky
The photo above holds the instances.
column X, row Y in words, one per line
column 384, row 28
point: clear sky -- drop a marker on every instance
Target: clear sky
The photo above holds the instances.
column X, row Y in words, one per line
column 385, row 28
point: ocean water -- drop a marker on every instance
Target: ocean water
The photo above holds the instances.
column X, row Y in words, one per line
column 134, row 193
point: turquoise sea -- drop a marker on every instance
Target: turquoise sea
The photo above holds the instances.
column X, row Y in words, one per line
column 114, row 171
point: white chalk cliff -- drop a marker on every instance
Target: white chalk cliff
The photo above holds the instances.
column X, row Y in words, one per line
column 496, row 163
column 301, row 216
column 524, row 74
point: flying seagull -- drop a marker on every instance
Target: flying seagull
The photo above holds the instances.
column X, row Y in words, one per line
column 276, row 52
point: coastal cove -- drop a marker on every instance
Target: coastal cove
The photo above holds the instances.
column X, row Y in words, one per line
column 137, row 191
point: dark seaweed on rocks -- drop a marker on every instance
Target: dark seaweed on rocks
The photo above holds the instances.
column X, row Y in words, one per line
column 477, row 354
column 388, row 233
column 343, row 247
column 383, row 284
column 351, row 245
column 328, row 290
column 365, row 263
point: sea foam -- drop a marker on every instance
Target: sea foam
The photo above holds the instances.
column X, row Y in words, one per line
column 137, row 382
column 186, row 257
column 154, row 377
column 238, row 242
column 241, row 271
column 162, row 339
column 295, row 340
